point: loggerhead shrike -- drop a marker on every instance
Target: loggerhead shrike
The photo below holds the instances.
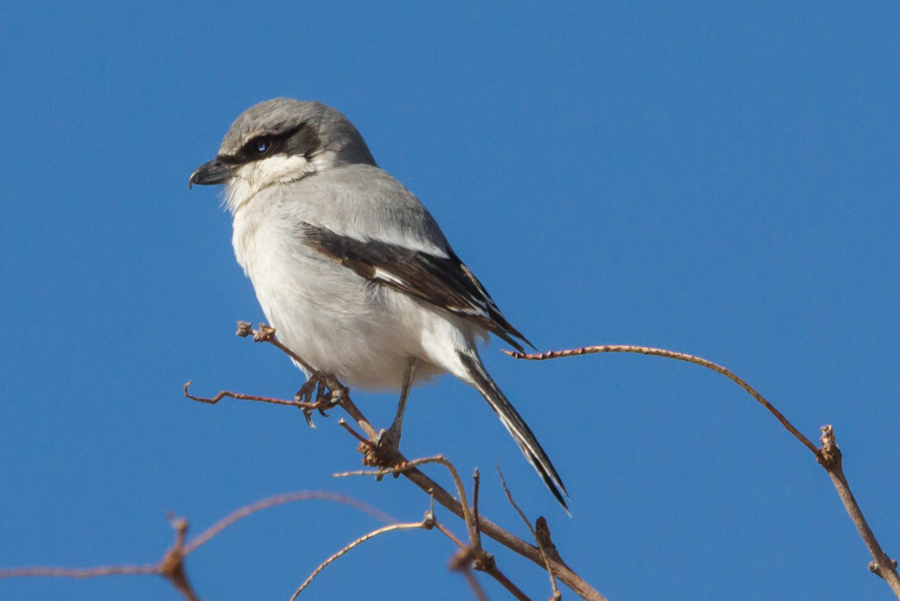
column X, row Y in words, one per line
column 350, row 268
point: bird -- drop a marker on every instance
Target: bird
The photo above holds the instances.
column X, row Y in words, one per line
column 351, row 269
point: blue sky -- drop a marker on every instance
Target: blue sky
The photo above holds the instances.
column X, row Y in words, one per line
column 713, row 178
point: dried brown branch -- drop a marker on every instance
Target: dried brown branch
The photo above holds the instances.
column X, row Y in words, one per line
column 473, row 583
column 473, row 553
column 505, row 538
column 426, row 524
column 483, row 562
column 831, row 459
column 476, row 484
column 534, row 535
column 829, row 456
column 407, row 465
column 385, row 456
column 247, row 397
column 446, row 532
column 266, row 333
column 303, row 495
column 171, row 565
column 505, row 582
column 658, row 352
column 55, row 572
column 461, row 562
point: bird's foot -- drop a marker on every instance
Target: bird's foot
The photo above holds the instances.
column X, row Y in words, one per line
column 325, row 399
column 385, row 451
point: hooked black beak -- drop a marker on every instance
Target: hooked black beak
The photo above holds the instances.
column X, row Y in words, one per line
column 214, row 172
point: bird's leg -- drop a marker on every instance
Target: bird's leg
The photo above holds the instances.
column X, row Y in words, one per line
column 304, row 395
column 393, row 433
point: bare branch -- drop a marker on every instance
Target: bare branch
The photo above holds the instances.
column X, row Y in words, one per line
column 426, row 524
column 246, row 397
column 829, row 456
column 172, row 564
column 94, row 572
column 657, row 352
column 446, row 532
column 521, row 513
column 408, row 465
column 303, row 495
column 460, row 562
column 494, row 572
column 831, row 459
column 476, row 484
column 437, row 492
column 266, row 333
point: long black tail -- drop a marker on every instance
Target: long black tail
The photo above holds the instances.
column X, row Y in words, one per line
column 516, row 426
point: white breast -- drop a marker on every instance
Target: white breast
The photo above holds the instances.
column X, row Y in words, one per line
column 334, row 319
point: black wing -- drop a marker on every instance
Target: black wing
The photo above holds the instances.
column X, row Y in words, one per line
column 444, row 282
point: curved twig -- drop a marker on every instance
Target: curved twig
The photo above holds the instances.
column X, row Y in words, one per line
column 303, row 495
column 658, row 352
column 246, row 397
column 534, row 535
column 425, row 524
column 408, row 465
column 829, row 455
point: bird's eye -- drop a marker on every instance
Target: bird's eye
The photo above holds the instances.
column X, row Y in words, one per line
column 262, row 145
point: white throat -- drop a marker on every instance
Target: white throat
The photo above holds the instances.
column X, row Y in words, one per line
column 252, row 178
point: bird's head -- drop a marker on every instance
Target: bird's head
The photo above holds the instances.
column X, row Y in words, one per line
column 278, row 141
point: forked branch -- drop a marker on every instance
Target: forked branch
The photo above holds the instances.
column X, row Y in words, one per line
column 828, row 456
column 171, row 566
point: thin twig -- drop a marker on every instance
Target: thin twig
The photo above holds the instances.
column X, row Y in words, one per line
column 829, row 456
column 534, row 535
column 494, row 572
column 79, row 572
column 443, row 497
column 353, row 411
column 476, row 483
column 473, row 583
column 656, row 352
column 246, row 397
column 343, row 423
column 446, row 531
column 171, row 566
column 457, row 507
column 266, row 333
column 408, row 465
column 426, row 524
column 304, row 495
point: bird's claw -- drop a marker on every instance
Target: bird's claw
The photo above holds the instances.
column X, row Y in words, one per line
column 385, row 450
column 325, row 399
